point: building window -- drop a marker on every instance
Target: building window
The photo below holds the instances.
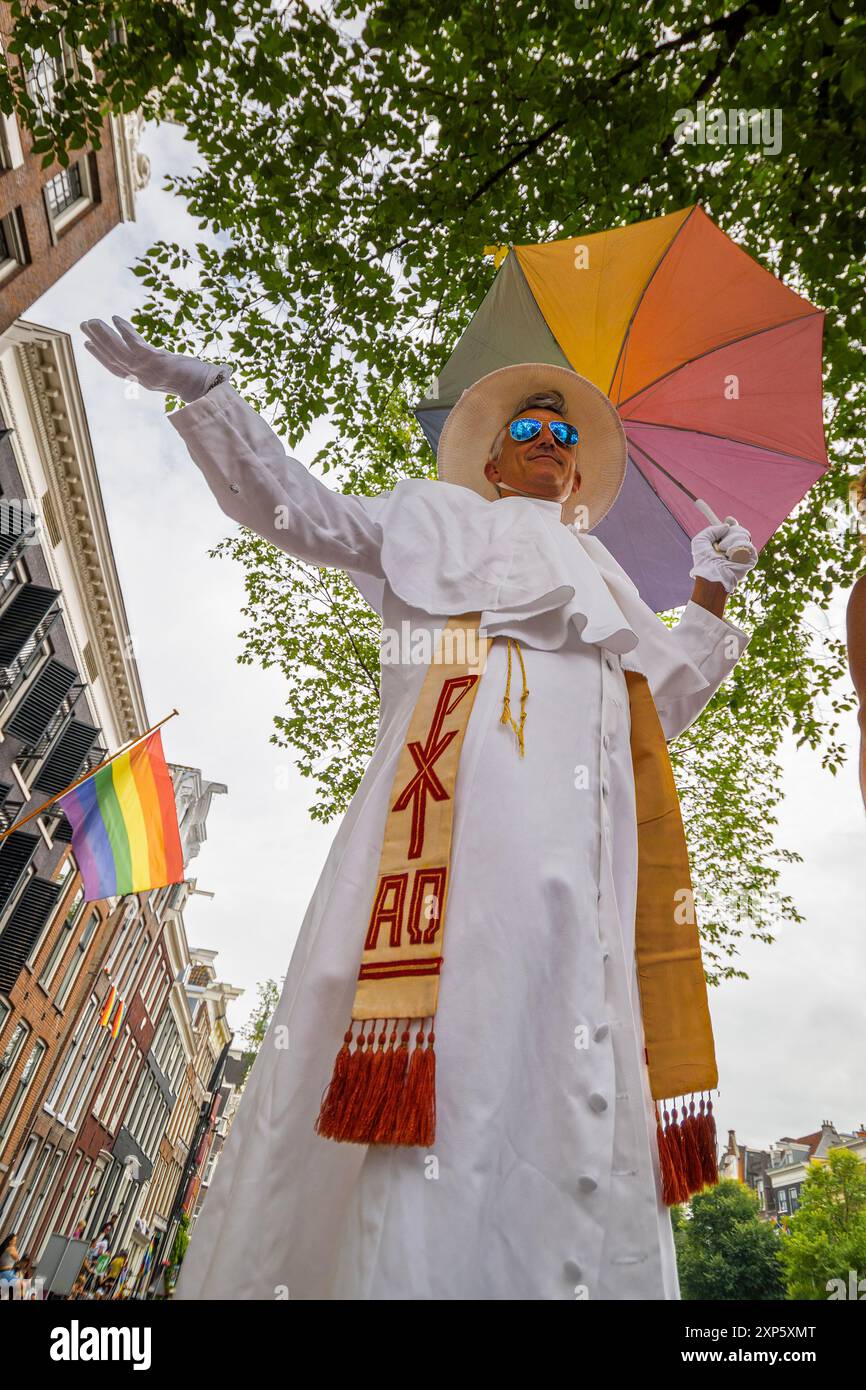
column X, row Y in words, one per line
column 64, row 190
column 13, row 577
column 783, row 1200
column 11, row 153
column 11, row 1053
column 42, row 78
column 68, row 189
column 124, row 975
column 64, row 936
column 123, row 1066
column 25, row 1080
column 120, row 937
column 83, row 1060
column 150, row 983
column 71, row 1059
column 82, row 946
column 14, row 1187
column 68, row 193
column 66, row 872
column 13, row 248
column 27, row 1217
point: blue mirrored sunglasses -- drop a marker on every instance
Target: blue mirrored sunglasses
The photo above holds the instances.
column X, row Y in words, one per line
column 525, row 429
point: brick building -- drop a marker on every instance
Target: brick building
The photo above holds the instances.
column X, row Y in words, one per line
column 69, row 691
column 88, row 1094
column 777, row 1173
column 50, row 218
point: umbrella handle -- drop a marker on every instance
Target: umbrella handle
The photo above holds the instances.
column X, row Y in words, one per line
column 739, row 555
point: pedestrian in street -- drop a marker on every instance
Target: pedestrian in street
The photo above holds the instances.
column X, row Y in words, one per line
column 116, row 1268
column 9, row 1258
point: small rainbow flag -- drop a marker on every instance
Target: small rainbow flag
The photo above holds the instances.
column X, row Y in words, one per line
column 125, row 835
column 109, row 1005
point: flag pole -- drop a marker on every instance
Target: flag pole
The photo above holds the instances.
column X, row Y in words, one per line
column 130, row 743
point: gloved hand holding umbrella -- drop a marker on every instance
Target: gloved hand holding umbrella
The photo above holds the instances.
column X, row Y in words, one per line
column 723, row 552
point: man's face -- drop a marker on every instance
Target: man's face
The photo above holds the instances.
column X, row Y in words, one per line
column 541, row 467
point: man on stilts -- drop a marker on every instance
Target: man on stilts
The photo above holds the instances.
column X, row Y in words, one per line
column 494, row 983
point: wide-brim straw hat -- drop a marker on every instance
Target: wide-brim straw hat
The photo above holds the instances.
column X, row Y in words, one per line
column 493, row 401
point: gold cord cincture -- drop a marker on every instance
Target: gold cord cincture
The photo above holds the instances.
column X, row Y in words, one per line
column 506, row 717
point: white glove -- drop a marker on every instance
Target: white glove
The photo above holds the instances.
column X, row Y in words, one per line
column 710, row 564
column 126, row 354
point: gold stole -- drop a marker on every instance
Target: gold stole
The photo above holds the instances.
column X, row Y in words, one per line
column 381, row 1092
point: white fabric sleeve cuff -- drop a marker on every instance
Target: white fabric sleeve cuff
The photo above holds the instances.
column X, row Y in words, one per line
column 710, row 640
column 715, row 646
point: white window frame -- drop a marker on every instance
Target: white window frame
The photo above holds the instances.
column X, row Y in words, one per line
column 59, row 68
column 15, row 240
column 40, row 1192
column 101, row 1041
column 159, row 1001
column 11, row 153
column 72, row 1051
column 119, row 934
column 130, row 1072
column 71, row 921
column 79, row 955
column 14, row 1186
column 17, row 1042
column 125, row 1054
column 28, row 1073
column 84, row 200
column 72, row 1193
column 67, row 872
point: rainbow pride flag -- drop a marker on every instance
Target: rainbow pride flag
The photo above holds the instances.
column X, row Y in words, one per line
column 125, row 835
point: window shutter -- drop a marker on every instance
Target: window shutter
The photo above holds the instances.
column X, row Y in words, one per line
column 16, row 851
column 22, row 617
column 29, row 916
column 66, row 759
column 33, row 716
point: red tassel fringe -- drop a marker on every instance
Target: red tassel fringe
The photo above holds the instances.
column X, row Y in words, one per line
column 379, row 1093
column 687, row 1151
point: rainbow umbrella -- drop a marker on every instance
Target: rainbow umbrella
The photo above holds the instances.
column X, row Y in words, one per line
column 712, row 362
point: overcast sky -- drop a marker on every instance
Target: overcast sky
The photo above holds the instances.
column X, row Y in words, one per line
column 789, row 1041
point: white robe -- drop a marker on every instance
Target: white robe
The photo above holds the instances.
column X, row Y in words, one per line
column 543, row 1181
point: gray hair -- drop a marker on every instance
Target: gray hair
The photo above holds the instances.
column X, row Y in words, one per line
column 539, row 400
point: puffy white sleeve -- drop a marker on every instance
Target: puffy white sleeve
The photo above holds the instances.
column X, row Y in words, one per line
column 259, row 485
column 714, row 646
column 684, row 664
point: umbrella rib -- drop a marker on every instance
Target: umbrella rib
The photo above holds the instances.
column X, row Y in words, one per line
column 755, row 333
column 654, row 463
column 623, row 347
column 725, row 438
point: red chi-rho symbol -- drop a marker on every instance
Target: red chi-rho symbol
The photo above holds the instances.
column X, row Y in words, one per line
column 425, row 781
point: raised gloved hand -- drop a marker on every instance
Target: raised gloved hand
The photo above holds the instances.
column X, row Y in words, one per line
column 126, row 354
column 713, row 563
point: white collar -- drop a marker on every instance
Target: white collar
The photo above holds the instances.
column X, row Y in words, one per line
column 543, row 502
column 446, row 550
